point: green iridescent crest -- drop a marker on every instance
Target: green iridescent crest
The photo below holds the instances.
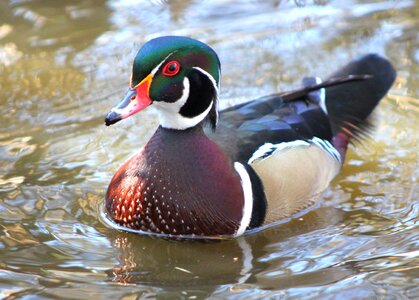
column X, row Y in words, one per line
column 189, row 52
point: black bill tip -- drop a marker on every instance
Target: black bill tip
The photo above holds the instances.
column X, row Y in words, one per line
column 112, row 118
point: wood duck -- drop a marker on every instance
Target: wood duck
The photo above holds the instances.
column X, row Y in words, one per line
column 210, row 173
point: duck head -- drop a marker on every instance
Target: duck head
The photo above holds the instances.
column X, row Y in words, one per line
column 178, row 76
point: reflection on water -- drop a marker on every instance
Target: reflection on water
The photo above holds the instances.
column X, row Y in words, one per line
column 63, row 65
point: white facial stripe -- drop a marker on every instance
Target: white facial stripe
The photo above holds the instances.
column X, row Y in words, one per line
column 156, row 68
column 216, row 87
column 248, row 198
column 169, row 112
column 154, row 71
column 209, row 77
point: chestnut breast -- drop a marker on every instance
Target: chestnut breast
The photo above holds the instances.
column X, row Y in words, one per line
column 179, row 183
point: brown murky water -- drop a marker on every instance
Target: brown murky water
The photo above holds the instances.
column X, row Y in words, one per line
column 63, row 66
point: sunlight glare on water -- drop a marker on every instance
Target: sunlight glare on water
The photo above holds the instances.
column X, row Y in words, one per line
column 64, row 65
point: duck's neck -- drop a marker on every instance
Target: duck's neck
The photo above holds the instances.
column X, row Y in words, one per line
column 180, row 183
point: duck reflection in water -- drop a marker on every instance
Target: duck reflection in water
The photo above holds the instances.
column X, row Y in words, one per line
column 167, row 263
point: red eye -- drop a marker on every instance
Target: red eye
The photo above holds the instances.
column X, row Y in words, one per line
column 171, row 68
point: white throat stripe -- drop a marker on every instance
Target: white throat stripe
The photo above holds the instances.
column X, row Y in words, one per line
column 169, row 112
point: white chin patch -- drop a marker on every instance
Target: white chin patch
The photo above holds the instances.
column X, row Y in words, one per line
column 169, row 115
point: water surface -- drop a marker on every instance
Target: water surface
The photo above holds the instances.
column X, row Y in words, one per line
column 63, row 66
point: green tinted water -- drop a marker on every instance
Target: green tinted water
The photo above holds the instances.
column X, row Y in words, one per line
column 63, row 66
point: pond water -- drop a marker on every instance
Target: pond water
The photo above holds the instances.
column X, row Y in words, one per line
column 63, row 66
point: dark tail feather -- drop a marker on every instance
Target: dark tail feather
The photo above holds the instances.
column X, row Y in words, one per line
column 350, row 105
column 352, row 93
column 312, row 87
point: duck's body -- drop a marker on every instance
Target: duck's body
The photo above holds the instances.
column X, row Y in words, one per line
column 268, row 158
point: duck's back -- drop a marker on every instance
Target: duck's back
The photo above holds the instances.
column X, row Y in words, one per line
column 296, row 142
column 243, row 129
